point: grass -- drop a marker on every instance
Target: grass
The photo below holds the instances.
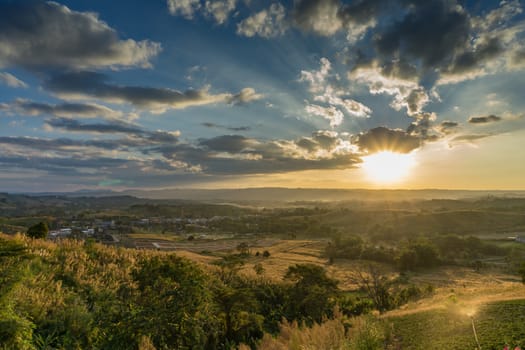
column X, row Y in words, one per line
column 496, row 323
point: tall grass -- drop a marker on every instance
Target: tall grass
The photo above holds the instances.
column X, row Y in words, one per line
column 339, row 333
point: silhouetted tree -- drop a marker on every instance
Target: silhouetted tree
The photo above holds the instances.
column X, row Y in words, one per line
column 39, row 230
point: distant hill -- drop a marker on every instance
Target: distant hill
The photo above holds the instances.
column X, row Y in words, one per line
column 280, row 194
column 275, row 194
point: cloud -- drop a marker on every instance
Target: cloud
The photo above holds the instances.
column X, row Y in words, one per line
column 57, row 164
column 332, row 114
column 11, row 81
column 326, row 88
column 352, row 107
column 39, row 34
column 320, row 140
column 327, row 17
column 318, row 16
column 246, row 95
column 267, row 23
column 432, row 31
column 484, row 120
column 237, row 154
column 419, row 45
column 447, row 44
column 116, row 127
column 317, row 80
column 101, row 128
column 397, row 79
column 385, row 139
column 32, row 108
column 219, row 9
column 86, row 85
column 228, row 143
column 448, row 127
column 39, row 143
column 518, row 59
column 186, row 8
column 423, row 127
column 231, row 128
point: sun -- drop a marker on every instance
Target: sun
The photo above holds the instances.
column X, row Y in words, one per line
column 388, row 167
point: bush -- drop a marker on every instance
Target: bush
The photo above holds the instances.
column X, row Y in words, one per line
column 39, row 230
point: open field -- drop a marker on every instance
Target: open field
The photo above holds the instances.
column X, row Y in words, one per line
column 497, row 323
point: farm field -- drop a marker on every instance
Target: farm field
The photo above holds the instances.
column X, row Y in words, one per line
column 497, row 323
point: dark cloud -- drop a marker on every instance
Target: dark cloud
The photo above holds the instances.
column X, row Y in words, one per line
column 57, row 164
column 228, row 143
column 385, row 139
column 160, row 152
column 326, row 17
column 236, row 154
column 64, row 109
column 101, row 128
column 325, row 139
column 318, row 16
column 468, row 60
column 518, row 58
column 321, row 139
column 116, row 127
column 423, row 127
column 484, row 120
column 38, row 143
column 38, row 34
column 448, row 127
column 231, row 128
column 269, row 158
column 443, row 42
column 432, row 32
column 308, row 144
column 92, row 84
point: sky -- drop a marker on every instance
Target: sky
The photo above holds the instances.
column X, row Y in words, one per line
column 116, row 95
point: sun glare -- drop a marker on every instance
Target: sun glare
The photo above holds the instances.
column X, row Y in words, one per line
column 387, row 167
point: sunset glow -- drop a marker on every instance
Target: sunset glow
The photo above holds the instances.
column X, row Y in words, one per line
column 387, row 167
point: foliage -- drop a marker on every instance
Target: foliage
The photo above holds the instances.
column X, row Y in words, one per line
column 15, row 330
column 39, row 230
column 175, row 293
column 330, row 334
column 81, row 295
column 339, row 333
column 312, row 295
column 418, row 254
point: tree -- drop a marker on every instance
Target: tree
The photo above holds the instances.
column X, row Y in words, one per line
column 39, row 230
column 175, row 293
column 376, row 285
column 313, row 294
column 244, row 249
